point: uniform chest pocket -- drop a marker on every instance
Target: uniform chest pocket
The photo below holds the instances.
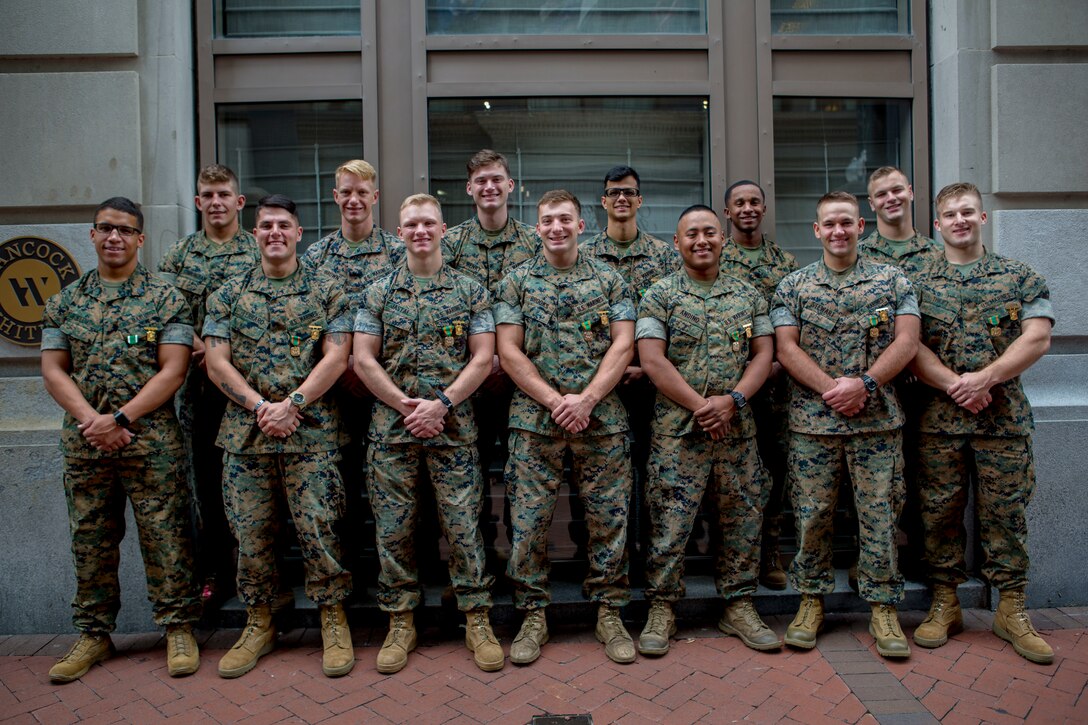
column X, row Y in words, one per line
column 935, row 314
column 452, row 331
column 539, row 310
column 250, row 324
column 681, row 328
column 190, row 283
column 79, row 330
column 812, row 317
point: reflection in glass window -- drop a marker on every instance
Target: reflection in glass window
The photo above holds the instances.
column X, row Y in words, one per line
column 840, row 17
column 565, row 17
column 292, row 149
column 570, row 143
column 825, row 144
column 272, row 18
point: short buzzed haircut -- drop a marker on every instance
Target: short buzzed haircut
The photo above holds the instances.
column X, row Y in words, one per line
column 420, row 200
column 559, row 196
column 695, row 208
column 960, row 188
column 619, row 173
column 744, row 182
column 277, row 201
column 884, row 171
column 217, row 174
column 359, row 168
column 833, row 196
column 124, row 205
column 486, row 157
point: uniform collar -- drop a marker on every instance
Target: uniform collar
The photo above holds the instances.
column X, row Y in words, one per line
column 731, row 251
column 508, row 235
column 862, row 271
column 404, row 279
column 373, row 244
column 538, row 266
column 985, row 265
column 879, row 242
column 242, row 241
column 134, row 286
column 298, row 283
column 602, row 245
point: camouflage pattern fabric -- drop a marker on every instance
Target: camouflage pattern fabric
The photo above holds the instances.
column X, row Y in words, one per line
column 1004, row 469
column 969, row 322
column 355, row 267
column 602, row 468
column 845, row 323
column 254, row 489
column 96, row 491
column 275, row 330
column 468, row 249
column 912, row 259
column 709, row 334
column 765, row 273
column 874, row 462
column 567, row 317
column 198, row 266
column 394, row 480
column 425, row 327
column 644, row 261
column 113, row 337
column 680, row 467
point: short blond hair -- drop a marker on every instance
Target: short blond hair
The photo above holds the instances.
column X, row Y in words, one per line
column 834, row 196
column 960, row 188
column 360, row 168
column 420, row 200
column 884, row 171
column 559, row 196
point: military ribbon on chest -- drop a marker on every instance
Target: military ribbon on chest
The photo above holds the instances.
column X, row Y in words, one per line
column 587, row 329
column 296, row 345
column 995, row 329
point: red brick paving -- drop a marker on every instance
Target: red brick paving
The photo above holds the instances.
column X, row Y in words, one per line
column 706, row 678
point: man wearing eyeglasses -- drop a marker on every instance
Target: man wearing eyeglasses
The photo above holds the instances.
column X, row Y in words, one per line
column 641, row 259
column 749, row 255
column 198, row 265
column 486, row 247
column 115, row 349
column 278, row 338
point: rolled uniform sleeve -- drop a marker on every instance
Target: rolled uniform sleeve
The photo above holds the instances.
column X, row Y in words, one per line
column 507, row 309
column 652, row 315
column 906, row 302
column 177, row 333
column 483, row 321
column 785, row 301
column 217, row 318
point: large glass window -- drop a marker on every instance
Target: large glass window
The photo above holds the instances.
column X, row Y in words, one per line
column 570, row 143
column 277, row 18
column 826, row 144
column 840, row 17
column 565, row 17
column 291, row 149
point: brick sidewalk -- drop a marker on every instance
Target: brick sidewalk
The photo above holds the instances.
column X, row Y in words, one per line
column 706, row 677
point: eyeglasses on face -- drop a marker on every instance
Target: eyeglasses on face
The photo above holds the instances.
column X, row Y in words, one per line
column 108, row 229
column 615, row 192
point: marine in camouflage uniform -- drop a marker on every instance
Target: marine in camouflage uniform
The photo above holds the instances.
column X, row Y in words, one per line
column 115, row 347
column 278, row 336
column 565, row 331
column 356, row 255
column 425, row 334
column 487, row 247
column 641, row 259
column 976, row 418
column 705, row 338
column 845, row 327
column 750, row 255
column 198, row 265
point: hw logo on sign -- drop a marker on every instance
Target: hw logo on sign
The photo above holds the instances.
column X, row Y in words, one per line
column 32, row 270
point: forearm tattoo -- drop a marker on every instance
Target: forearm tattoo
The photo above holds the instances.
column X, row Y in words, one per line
column 236, row 395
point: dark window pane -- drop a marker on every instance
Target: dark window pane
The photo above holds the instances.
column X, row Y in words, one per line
column 270, row 18
column 826, row 144
column 840, row 17
column 565, row 17
column 570, row 143
column 292, row 149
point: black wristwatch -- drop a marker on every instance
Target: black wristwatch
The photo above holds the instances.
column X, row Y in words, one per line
column 738, row 398
column 443, row 399
column 121, row 419
column 870, row 384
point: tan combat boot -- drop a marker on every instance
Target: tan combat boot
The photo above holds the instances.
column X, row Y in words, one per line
column 182, row 653
column 617, row 641
column 884, row 626
column 480, row 639
column 401, row 640
column 660, row 626
column 1012, row 624
column 808, row 622
column 771, row 573
column 741, row 620
column 338, row 656
column 256, row 641
column 945, row 618
column 531, row 637
column 89, row 649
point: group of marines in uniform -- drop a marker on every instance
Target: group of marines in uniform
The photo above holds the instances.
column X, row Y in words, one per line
column 661, row 369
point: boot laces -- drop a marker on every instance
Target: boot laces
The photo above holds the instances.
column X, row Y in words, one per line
column 332, row 624
column 80, row 648
column 747, row 612
column 658, row 617
column 398, row 628
column 180, row 642
column 612, row 624
column 534, row 622
column 887, row 619
column 1019, row 613
column 482, row 627
column 808, row 611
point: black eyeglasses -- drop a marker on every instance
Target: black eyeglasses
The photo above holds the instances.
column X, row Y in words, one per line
column 107, row 229
column 615, row 192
